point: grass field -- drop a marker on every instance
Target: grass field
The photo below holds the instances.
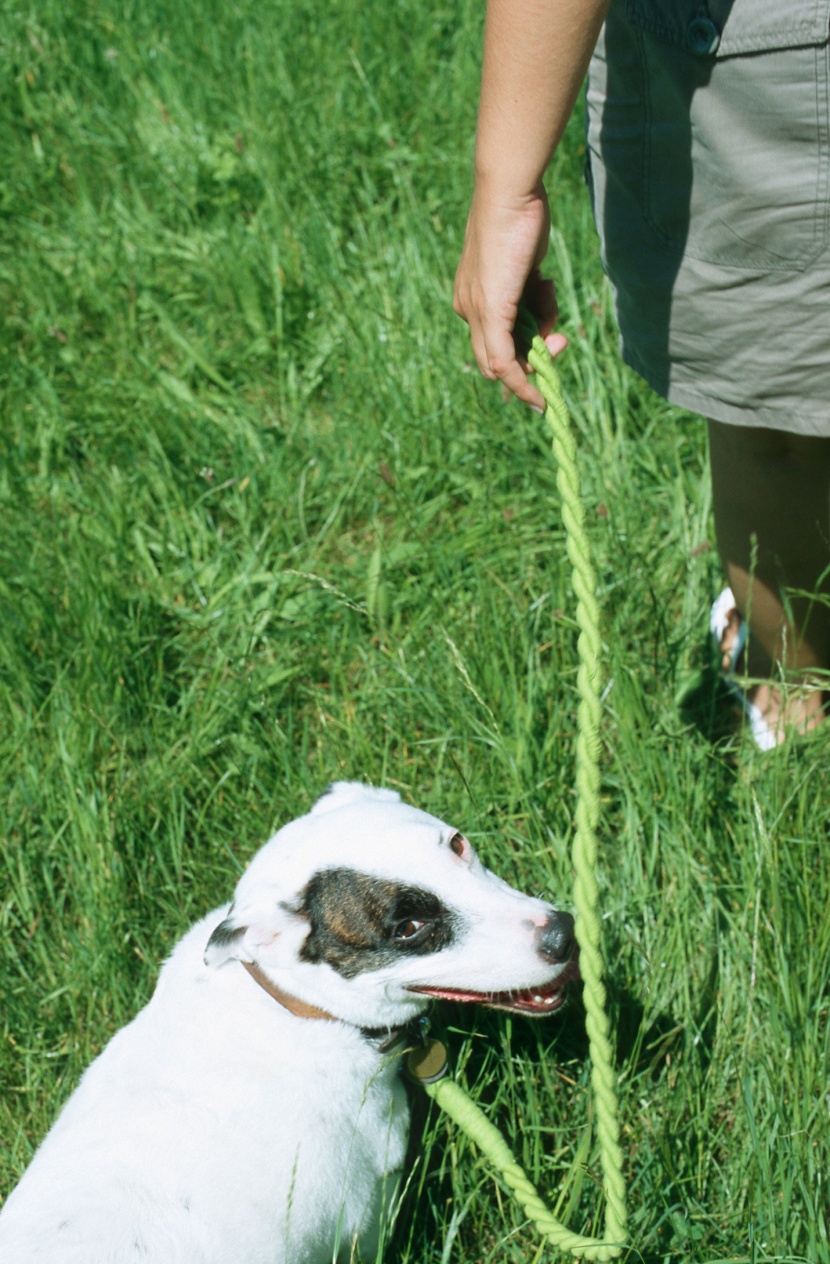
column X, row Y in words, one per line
column 264, row 526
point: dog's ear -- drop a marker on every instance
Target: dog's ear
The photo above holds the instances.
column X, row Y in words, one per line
column 243, row 933
column 227, row 942
column 341, row 793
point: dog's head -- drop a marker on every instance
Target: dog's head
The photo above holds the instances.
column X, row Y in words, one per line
column 367, row 908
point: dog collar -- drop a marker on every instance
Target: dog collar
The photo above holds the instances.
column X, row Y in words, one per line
column 301, row 1009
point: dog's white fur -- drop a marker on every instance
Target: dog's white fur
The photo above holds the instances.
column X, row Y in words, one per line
column 218, row 1127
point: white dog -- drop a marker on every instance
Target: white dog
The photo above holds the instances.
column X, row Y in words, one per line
column 253, row 1112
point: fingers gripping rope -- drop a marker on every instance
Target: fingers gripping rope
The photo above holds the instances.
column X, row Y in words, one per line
column 449, row 1096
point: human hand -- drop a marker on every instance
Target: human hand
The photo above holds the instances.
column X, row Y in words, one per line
column 504, row 246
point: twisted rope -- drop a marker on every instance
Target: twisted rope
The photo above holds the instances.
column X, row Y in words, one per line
column 448, row 1094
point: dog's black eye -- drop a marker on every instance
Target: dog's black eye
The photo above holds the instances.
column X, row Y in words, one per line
column 409, row 928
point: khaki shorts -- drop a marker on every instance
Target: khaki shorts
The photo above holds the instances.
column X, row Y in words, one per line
column 709, row 162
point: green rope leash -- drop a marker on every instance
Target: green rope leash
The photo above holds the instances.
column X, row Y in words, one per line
column 447, row 1093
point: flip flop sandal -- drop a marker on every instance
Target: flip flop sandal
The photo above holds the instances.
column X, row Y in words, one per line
column 722, row 608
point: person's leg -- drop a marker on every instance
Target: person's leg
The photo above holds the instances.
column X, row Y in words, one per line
column 771, row 494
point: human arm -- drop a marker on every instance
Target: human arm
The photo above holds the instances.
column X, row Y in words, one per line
column 536, row 53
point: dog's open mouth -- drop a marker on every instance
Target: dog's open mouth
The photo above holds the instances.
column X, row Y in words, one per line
column 534, row 1001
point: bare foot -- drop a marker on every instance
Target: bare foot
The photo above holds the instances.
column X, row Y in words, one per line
column 776, row 707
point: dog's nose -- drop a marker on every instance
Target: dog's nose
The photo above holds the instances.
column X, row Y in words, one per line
column 556, row 937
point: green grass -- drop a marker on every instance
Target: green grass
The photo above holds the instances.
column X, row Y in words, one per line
column 264, row 526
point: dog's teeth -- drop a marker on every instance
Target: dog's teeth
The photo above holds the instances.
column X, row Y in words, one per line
column 540, row 1000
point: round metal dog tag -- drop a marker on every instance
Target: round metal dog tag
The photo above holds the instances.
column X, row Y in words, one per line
column 427, row 1063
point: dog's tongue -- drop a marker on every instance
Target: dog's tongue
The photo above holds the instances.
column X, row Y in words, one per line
column 535, row 1001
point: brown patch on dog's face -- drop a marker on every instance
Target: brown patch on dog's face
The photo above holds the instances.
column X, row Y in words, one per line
column 359, row 923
